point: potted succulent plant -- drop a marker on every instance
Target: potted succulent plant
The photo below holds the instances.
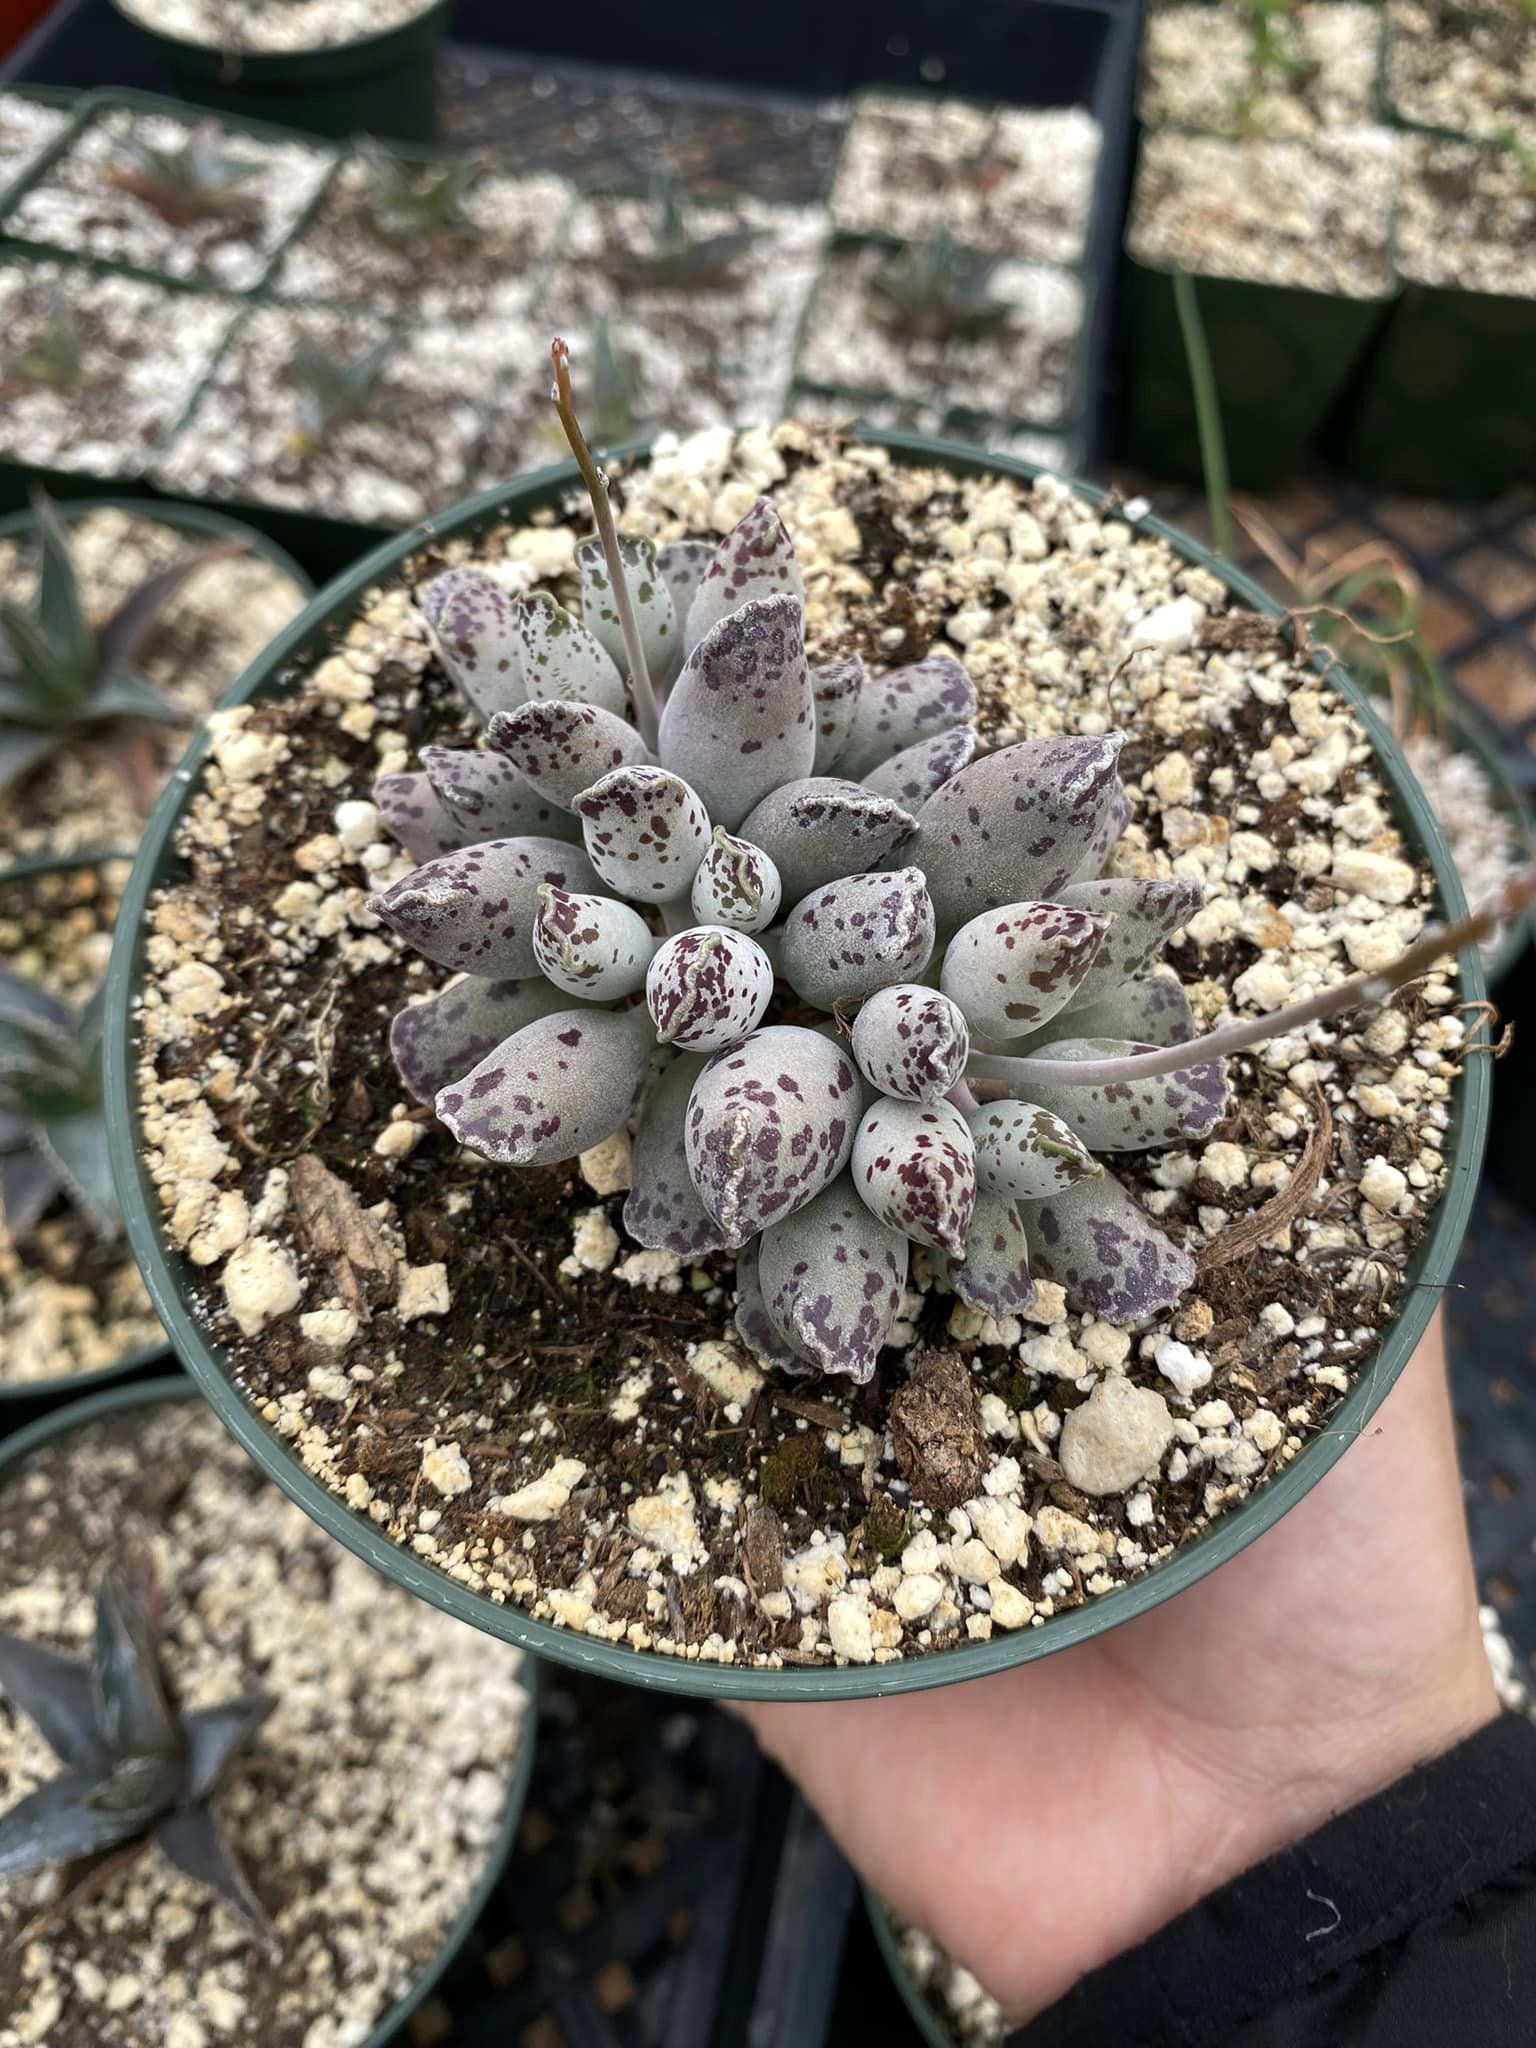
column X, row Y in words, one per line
column 335, row 67
column 230, row 1807
column 1058, row 1378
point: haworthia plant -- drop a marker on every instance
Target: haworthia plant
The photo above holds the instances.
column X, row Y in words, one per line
column 783, row 855
column 53, row 1129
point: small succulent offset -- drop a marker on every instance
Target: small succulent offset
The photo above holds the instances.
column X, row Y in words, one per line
column 137, row 1768
column 788, row 911
column 64, row 678
column 410, row 201
column 53, row 1130
column 940, row 292
column 52, row 359
column 679, row 259
column 329, row 391
column 187, row 184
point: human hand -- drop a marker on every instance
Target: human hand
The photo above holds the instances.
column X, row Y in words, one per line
column 1042, row 1821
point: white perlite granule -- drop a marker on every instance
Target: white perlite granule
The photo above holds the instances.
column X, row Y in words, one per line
column 261, row 25
column 1313, row 214
column 1483, row 845
column 1198, row 70
column 1018, row 181
column 1467, row 216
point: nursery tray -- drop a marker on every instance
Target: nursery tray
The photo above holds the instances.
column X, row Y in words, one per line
column 60, row 97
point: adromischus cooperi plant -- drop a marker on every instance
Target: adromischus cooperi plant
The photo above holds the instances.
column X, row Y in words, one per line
column 786, row 911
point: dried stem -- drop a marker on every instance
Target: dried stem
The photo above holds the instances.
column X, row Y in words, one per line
column 1515, row 896
column 646, row 715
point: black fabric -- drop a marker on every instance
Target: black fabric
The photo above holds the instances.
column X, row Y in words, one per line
column 1407, row 1922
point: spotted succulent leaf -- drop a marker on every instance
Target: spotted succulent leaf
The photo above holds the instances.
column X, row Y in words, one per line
column 645, row 831
column 769, row 1125
column 911, row 1042
column 831, row 1278
column 822, row 828
column 681, row 565
column 591, row 946
column 755, row 1327
column 994, row 1275
column 662, row 1210
column 561, row 749
column 416, row 816
column 554, row 1089
column 1152, row 1010
column 1025, row 1152
column 903, row 706
column 864, row 933
column 736, row 884
column 1012, row 968
column 1097, row 1243
column 756, row 560
column 708, row 988
column 649, row 596
column 474, row 910
column 1134, row 1116
column 1106, row 837
column 1143, row 916
column 915, row 1168
column 435, row 1041
column 835, row 689
column 562, row 659
column 740, row 719
column 912, row 776
column 488, row 798
column 472, row 622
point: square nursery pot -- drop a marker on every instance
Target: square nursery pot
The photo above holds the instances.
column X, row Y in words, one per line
column 1459, row 67
column 384, row 84
column 49, row 1431
column 35, row 122
column 175, row 1286
column 91, row 221
column 1282, row 352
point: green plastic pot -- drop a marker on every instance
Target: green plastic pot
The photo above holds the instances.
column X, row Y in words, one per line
column 923, row 2015
column 384, row 84
column 173, row 1284
column 123, row 1401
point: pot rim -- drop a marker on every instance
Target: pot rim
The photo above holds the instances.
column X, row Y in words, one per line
column 1232, row 1532
column 99, row 1407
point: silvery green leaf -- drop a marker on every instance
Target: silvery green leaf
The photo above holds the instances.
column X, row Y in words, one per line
column 662, row 1210
column 912, row 776
column 769, row 1124
column 59, row 1823
column 994, row 1275
column 911, row 1042
column 191, row 1838
column 591, row 946
column 474, row 910
column 682, row 565
column 28, row 1184
column 75, row 1142
column 56, row 1694
column 472, row 623
column 708, row 988
column 132, row 1705
column 914, row 1168
column 1108, row 1254
column 21, row 751
column 835, row 689
column 645, row 832
column 1105, row 839
column 215, row 1736
column 831, row 1278
column 660, row 637
column 416, row 816
column 1010, row 969
column 740, row 719
column 1025, row 1152
column 488, row 798
column 906, row 705
column 562, row 659
column 1143, row 915
column 736, row 884
column 1153, row 1010
column 1013, row 827
column 556, row 1088
column 754, row 1325
column 435, row 1041
column 1133, row 1116
column 855, row 936
column 755, row 560
column 562, row 749
column 821, row 828
column 865, row 1095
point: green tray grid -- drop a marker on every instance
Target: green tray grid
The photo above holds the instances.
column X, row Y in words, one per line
column 60, row 98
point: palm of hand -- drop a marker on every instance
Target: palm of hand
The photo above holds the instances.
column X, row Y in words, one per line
column 1042, row 1821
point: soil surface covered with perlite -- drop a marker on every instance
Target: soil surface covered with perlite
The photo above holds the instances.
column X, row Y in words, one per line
column 477, row 1360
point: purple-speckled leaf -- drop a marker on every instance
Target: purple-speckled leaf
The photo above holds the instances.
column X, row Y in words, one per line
column 708, row 988
column 994, row 1275
column 489, row 799
column 562, row 659
column 1144, row 915
column 755, row 560
column 472, row 623
column 821, row 828
column 556, row 1088
column 435, row 1041
column 754, row 1325
column 855, row 936
column 474, row 910
column 1108, row 1254
column 1014, row 826
column 660, row 639
column 905, row 705
column 740, row 719
column 591, row 946
column 917, row 771
column 911, row 1042
column 1105, row 839
column 1012, row 968
column 562, row 749
column 769, row 1124
column 682, row 565
column 1026, row 1152
column 1133, row 1116
column 831, row 1278
column 417, row 817
column 835, row 687
column 736, row 884
column 914, row 1168
column 1153, row 1010
column 645, row 833
column 662, row 1210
